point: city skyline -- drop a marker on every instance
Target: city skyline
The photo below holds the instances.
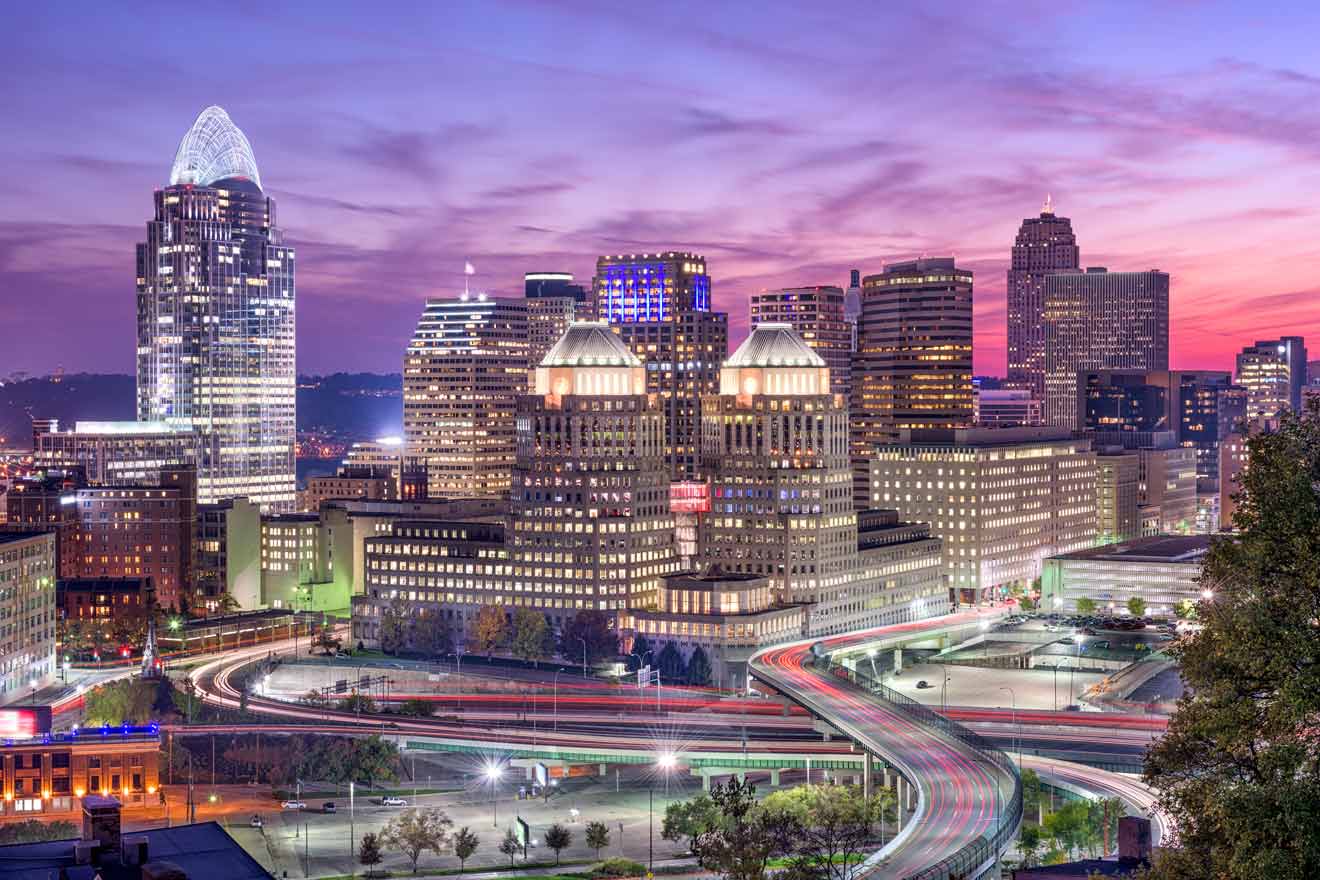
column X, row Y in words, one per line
column 397, row 162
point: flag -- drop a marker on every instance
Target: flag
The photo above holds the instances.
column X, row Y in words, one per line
column 468, row 268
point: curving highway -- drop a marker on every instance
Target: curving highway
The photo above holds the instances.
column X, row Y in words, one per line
column 964, row 796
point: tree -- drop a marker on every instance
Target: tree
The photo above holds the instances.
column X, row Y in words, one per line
column 1031, row 795
column 417, row 708
column 34, row 831
column 1086, row 606
column 745, row 839
column 510, row 845
column 465, row 844
column 415, row 831
column 698, row 668
column 133, row 700
column 1030, row 841
column 1237, row 771
column 1067, row 826
column 312, row 698
column 1136, row 606
column 690, row 819
column 529, row 628
column 597, row 628
column 670, row 661
column 369, row 852
column 549, row 641
column 598, row 836
column 489, row 630
column 1185, row 610
column 1026, row 603
column 395, row 625
column 640, row 647
column 432, row 635
column 833, row 825
column 358, row 703
column 557, row 837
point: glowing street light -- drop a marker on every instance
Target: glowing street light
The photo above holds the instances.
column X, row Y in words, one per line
column 1207, row 594
column 492, row 772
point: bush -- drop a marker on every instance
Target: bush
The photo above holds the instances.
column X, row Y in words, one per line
column 619, row 867
column 33, row 831
column 418, row 708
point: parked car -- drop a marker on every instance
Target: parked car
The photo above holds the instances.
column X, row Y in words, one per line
column 1089, row 631
column 393, row 802
column 328, row 807
column 256, row 822
column 923, row 684
column 1067, row 640
column 293, row 805
column 1101, row 645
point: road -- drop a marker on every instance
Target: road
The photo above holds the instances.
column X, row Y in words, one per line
column 962, row 793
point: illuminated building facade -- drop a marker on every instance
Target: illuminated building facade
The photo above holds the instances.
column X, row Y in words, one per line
column 775, row 446
column 1100, row 320
column 818, row 316
column 1166, row 489
column 1005, row 408
column 462, row 374
column 120, row 453
column 913, row 366
column 660, row 304
column 215, row 309
column 1044, row 244
column 1273, row 371
column 1001, row 499
column 553, row 302
column 1116, row 482
column 27, row 605
column 1162, row 571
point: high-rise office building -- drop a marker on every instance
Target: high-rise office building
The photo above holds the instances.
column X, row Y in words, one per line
column 1100, row 320
column 1273, row 371
column 117, row 453
column 913, row 365
column 660, row 304
column 1005, row 407
column 775, row 447
column 852, row 303
column 215, row 309
column 553, row 302
column 27, row 605
column 1117, row 474
column 590, row 500
column 1043, row 245
column 1002, row 499
column 818, row 315
column 463, row 371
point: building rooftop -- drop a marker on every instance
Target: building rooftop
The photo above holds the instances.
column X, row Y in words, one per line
column 774, row 345
column 214, row 149
column 204, row 851
column 13, row 537
column 1158, row 548
column 590, row 344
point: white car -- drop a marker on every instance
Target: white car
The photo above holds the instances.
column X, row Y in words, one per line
column 393, row 802
column 293, row 805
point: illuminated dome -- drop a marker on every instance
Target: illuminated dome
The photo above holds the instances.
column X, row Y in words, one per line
column 774, row 345
column 774, row 359
column 214, row 149
column 590, row 344
column 589, row 359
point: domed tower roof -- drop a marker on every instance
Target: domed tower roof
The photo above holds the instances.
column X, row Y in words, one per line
column 774, row 345
column 590, row 344
column 214, row 149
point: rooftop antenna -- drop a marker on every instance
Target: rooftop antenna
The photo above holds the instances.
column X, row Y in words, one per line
column 468, row 271
column 1048, row 207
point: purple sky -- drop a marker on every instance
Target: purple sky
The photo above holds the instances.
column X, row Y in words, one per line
column 786, row 142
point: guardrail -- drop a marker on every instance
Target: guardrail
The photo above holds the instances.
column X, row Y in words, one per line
column 985, row 849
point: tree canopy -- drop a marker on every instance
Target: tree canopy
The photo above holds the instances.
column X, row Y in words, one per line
column 595, row 627
column 1239, row 768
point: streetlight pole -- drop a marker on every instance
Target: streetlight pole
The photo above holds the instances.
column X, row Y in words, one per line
column 1013, row 696
column 557, row 671
column 650, row 829
column 583, row 640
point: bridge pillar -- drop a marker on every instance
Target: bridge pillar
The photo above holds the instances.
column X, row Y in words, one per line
column 866, row 775
column 823, row 728
column 604, row 769
column 705, row 781
column 898, row 660
column 530, row 772
column 774, row 778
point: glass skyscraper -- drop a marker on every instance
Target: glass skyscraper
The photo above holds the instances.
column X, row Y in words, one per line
column 215, row 306
column 1043, row 245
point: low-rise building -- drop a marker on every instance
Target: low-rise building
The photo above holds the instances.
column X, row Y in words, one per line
column 728, row 615
column 49, row 774
column 1116, row 481
column 27, row 607
column 1162, row 570
column 101, row 601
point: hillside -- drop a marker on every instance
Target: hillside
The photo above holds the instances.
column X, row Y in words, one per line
column 350, row 405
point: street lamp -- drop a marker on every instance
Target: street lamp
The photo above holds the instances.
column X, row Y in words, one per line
column 493, row 772
column 557, row 671
column 1072, row 673
column 944, row 691
column 1207, row 594
column 666, row 762
column 583, row 640
column 1012, row 695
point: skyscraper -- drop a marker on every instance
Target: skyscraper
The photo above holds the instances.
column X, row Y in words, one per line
column 852, row 303
column 913, row 366
column 215, row 308
column 775, row 446
column 1044, row 244
column 660, row 304
column 817, row 314
column 1273, row 371
column 1100, row 320
column 553, row 302
column 462, row 374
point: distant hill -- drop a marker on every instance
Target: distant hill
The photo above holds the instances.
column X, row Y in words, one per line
column 353, row 405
